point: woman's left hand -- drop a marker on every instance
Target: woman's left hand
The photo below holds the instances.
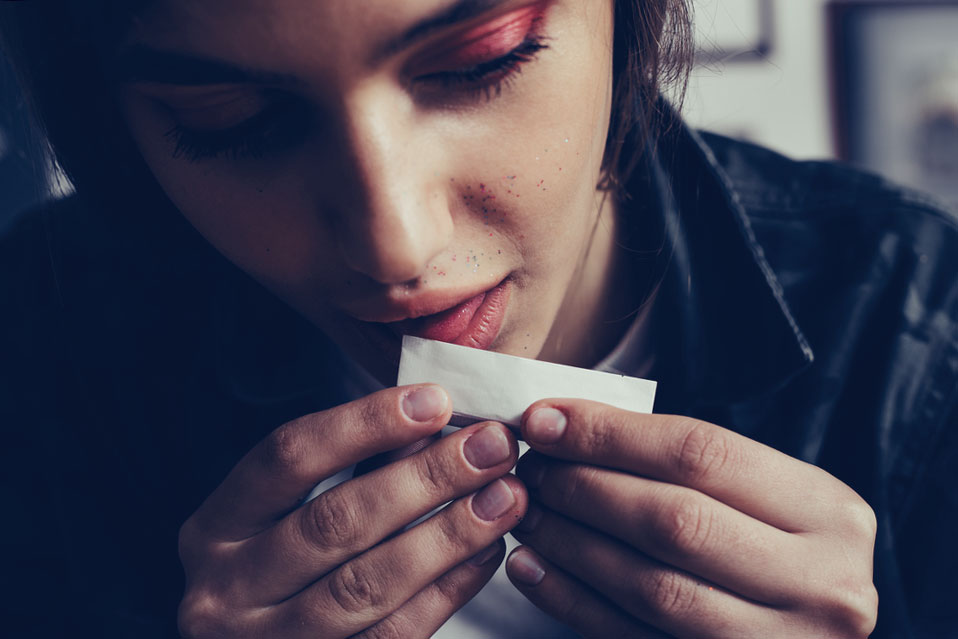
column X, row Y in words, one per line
column 654, row 525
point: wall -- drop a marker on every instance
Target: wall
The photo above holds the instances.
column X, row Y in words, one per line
column 782, row 101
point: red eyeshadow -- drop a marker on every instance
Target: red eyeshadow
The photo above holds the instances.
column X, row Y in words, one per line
column 483, row 43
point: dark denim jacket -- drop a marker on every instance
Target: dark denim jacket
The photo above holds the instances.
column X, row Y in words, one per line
column 806, row 305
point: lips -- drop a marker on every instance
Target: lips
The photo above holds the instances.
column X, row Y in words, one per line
column 474, row 322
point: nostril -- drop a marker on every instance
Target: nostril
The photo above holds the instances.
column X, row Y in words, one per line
column 393, row 254
column 384, row 261
column 389, row 225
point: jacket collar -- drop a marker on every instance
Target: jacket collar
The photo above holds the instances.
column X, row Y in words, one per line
column 720, row 324
column 722, row 329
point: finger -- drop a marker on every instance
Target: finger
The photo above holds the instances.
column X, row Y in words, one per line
column 274, row 476
column 346, row 520
column 564, row 597
column 676, row 525
column 794, row 496
column 375, row 584
column 658, row 594
column 422, row 615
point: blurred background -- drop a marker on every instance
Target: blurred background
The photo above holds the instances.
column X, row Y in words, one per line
column 872, row 82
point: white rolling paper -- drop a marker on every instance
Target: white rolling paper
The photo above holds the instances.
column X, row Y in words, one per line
column 485, row 385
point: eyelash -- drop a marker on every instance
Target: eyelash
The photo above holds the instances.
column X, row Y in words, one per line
column 487, row 79
column 280, row 124
column 284, row 122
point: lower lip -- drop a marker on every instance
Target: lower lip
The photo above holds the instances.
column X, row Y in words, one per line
column 474, row 323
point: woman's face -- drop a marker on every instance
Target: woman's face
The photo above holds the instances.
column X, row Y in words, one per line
column 376, row 161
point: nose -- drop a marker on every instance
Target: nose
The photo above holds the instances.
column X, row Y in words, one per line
column 392, row 216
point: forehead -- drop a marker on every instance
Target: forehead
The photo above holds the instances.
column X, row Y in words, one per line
column 285, row 30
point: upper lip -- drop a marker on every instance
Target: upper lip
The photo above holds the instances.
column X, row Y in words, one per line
column 397, row 305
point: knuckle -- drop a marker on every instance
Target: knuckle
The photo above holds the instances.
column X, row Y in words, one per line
column 197, row 549
column 330, row 521
column 285, row 453
column 703, row 452
column 378, row 412
column 452, row 536
column 574, row 611
column 598, row 435
column 854, row 611
column 354, row 590
column 449, row 589
column 298, row 615
column 684, row 527
column 572, row 485
column 388, row 628
column 200, row 614
column 436, row 473
column 860, row 519
column 671, row 595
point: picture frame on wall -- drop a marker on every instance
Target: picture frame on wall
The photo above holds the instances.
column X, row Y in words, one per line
column 733, row 30
column 895, row 90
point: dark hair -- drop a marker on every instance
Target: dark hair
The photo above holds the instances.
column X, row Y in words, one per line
column 57, row 47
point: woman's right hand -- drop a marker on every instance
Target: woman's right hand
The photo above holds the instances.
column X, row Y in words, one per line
column 259, row 562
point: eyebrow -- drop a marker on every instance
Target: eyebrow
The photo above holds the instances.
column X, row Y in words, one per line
column 139, row 63
column 460, row 11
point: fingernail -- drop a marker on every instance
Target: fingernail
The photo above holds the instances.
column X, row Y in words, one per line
column 493, row 501
column 531, row 520
column 545, row 426
column 524, row 567
column 483, row 556
column 424, row 404
column 487, row 448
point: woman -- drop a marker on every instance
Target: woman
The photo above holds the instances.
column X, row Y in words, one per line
column 372, row 169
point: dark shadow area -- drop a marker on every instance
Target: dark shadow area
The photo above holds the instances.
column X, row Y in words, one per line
column 23, row 180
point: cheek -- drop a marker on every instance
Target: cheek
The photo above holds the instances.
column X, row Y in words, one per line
column 260, row 220
column 264, row 227
column 548, row 150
